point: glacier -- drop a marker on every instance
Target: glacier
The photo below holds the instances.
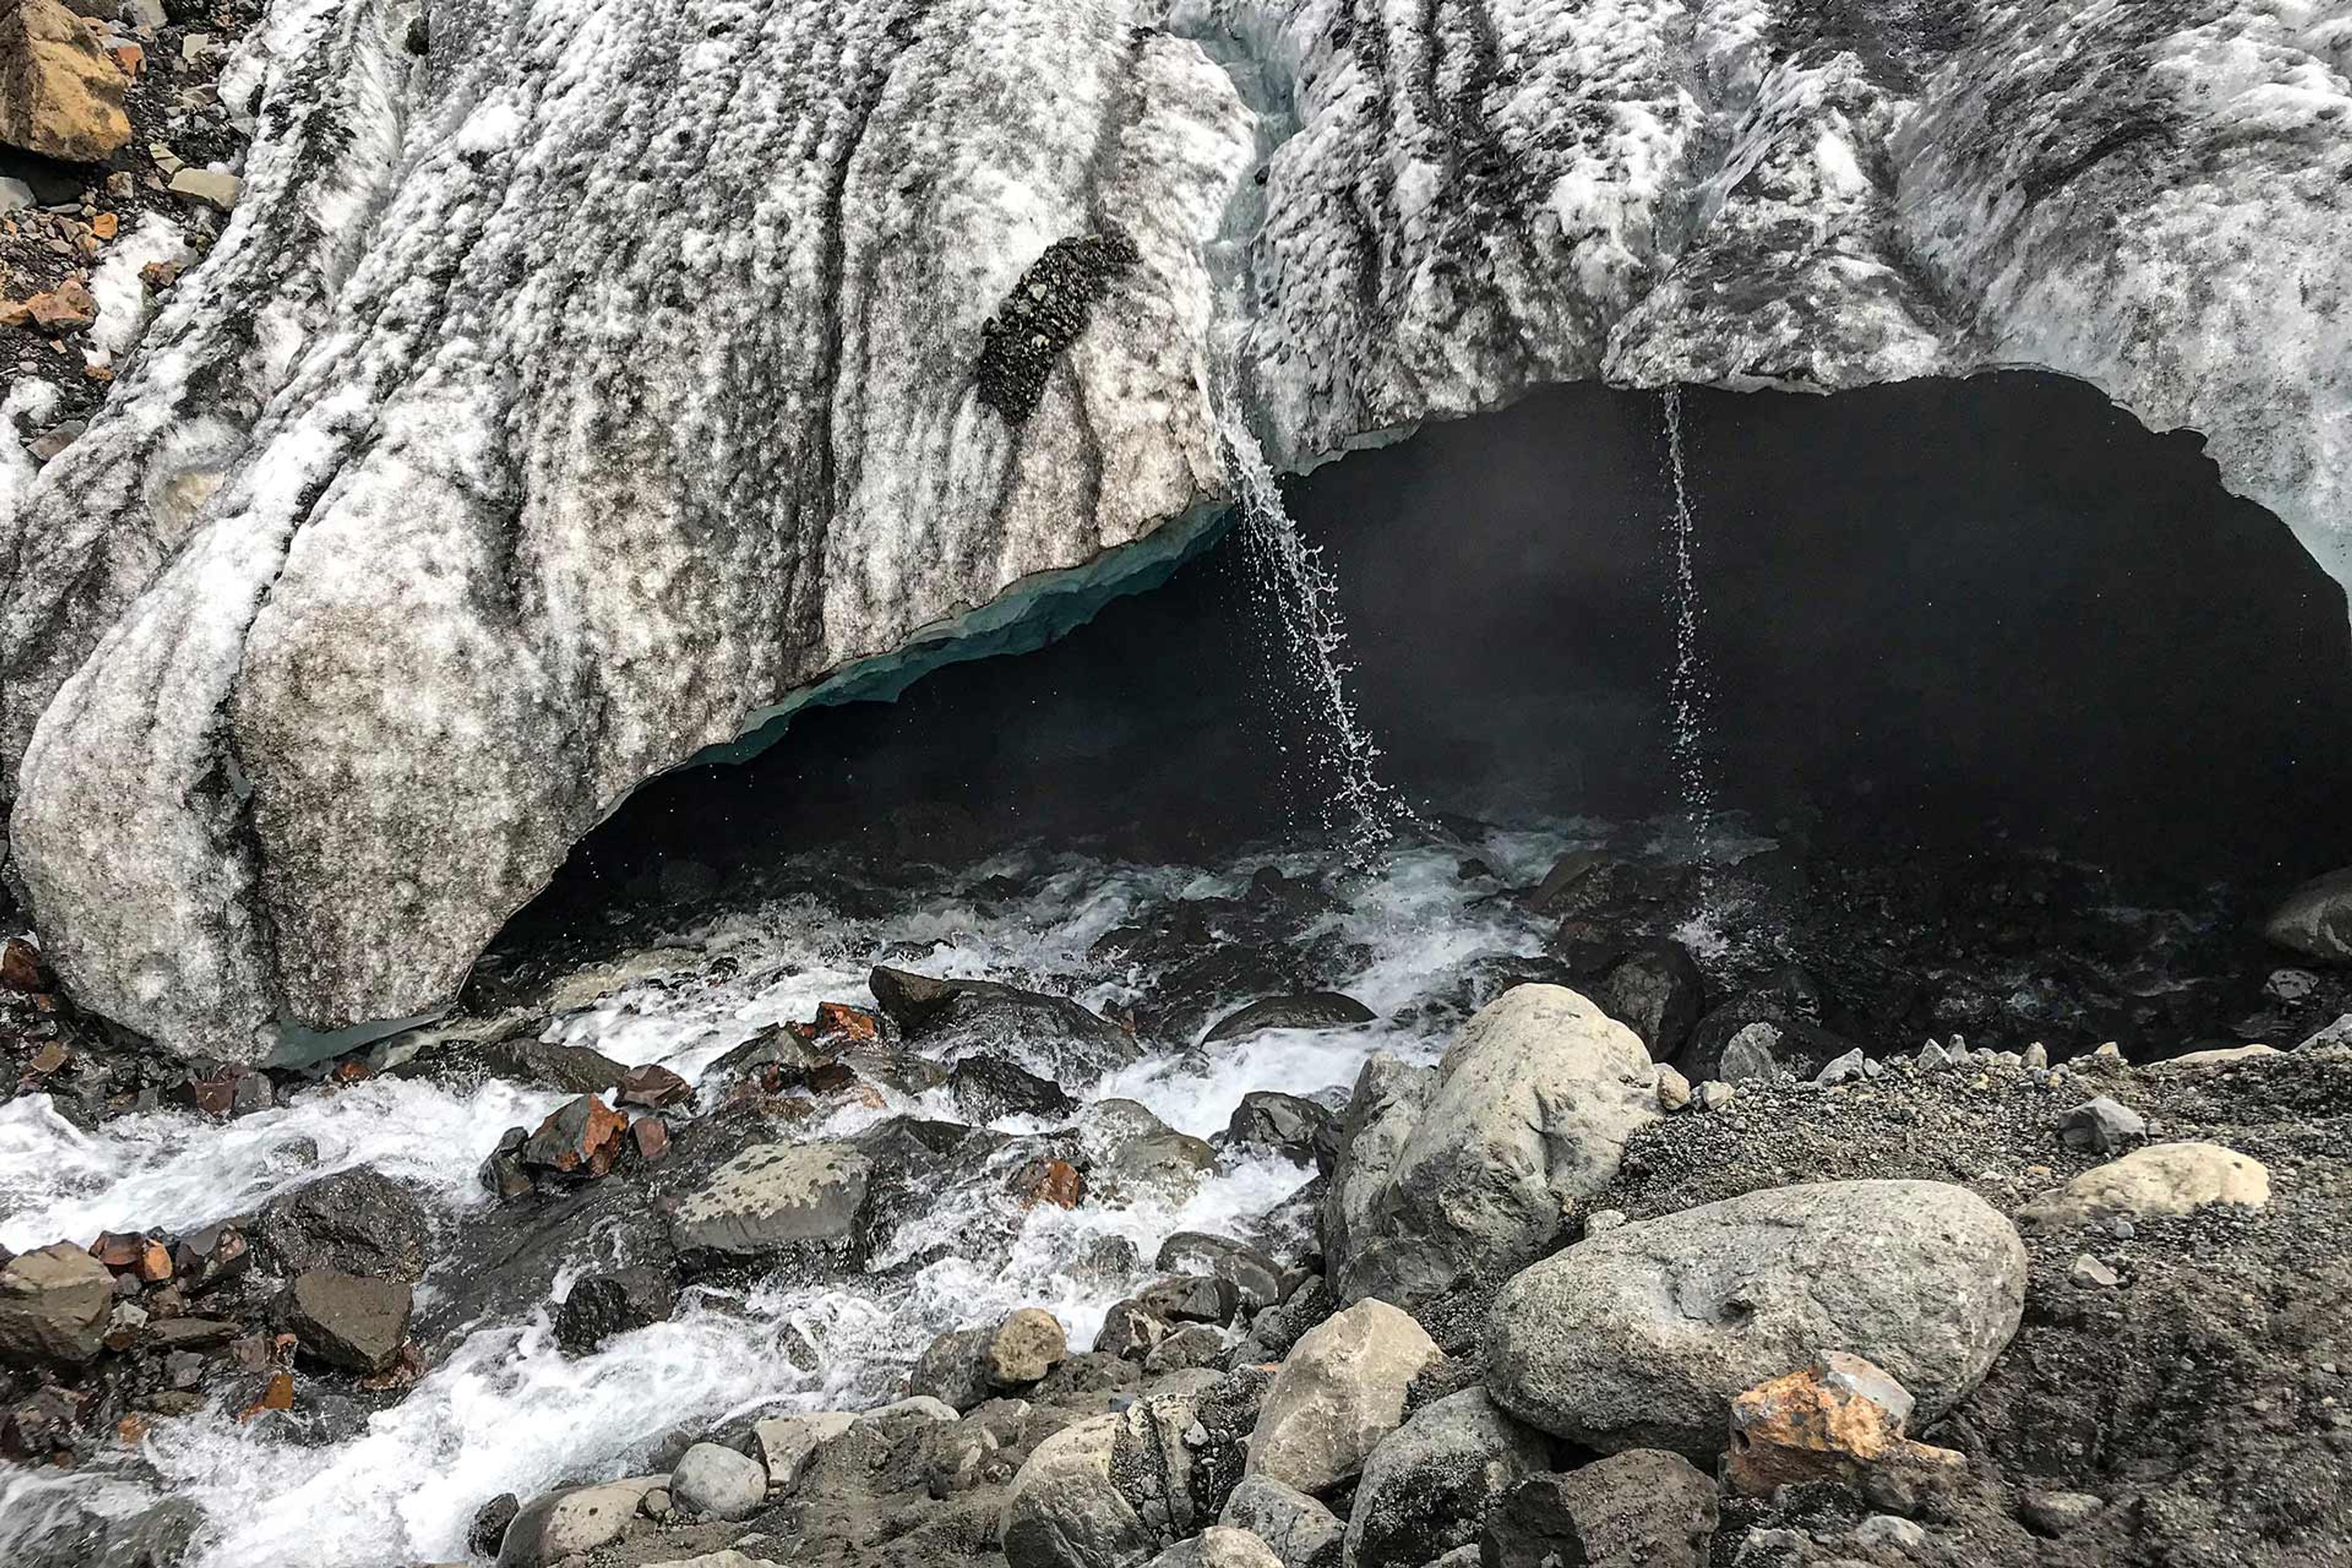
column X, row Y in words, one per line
column 578, row 385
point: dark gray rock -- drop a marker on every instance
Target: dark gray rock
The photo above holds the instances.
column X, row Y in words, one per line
column 1300, row 1531
column 603, row 1305
column 807, row 1206
column 1253, row 1276
column 1284, row 1124
column 54, row 1305
column 1641, row 1509
column 356, row 1222
column 1050, row 1036
column 1310, row 1010
column 1655, row 990
column 346, row 1318
column 2101, row 1126
column 1426, row 1489
column 985, row 1090
column 489, row 1525
column 522, row 1058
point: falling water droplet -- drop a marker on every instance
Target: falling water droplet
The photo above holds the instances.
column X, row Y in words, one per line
column 1688, row 693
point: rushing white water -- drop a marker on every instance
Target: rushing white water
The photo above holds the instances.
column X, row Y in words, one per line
column 1688, row 693
column 505, row 1410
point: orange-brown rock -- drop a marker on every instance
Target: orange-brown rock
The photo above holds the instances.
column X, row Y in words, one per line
column 154, row 1262
column 61, row 96
column 651, row 1136
column 580, row 1139
column 67, row 308
column 652, row 1088
column 21, row 968
column 1056, row 1182
column 1841, row 1420
column 278, row 1395
column 854, row 1025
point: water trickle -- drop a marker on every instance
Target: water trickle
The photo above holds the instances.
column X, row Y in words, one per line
column 1300, row 597
column 1688, row 693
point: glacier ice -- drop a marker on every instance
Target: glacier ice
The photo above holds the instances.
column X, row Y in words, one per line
column 577, row 383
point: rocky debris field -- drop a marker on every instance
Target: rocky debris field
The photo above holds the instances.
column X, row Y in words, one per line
column 1686, row 1262
column 120, row 131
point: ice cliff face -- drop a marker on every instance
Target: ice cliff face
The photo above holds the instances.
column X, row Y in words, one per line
column 577, row 380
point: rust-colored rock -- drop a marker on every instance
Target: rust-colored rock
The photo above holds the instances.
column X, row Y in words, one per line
column 651, row 1137
column 21, row 968
column 580, row 1139
column 154, row 1264
column 61, row 96
column 832, row 1078
column 652, row 1088
column 1056, row 1182
column 278, row 1395
column 118, row 1249
column 855, row 1025
column 51, row 1058
column 1840, row 1420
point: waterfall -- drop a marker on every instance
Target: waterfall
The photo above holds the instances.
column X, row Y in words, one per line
column 1687, row 694
column 1301, row 599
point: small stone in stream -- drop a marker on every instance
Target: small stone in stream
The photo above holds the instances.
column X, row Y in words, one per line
column 2161, row 1181
column 1251, row 1273
column 1281, row 1123
column 649, row 1135
column 490, row 1521
column 349, row 1321
column 2055, row 1513
column 1129, row 1332
column 652, row 1088
column 55, row 1305
column 807, row 1206
column 1191, row 1299
column 358, row 1221
column 502, row 1169
column 1748, row 1056
column 1840, row 1421
column 2102, row 1126
column 2091, row 1274
column 579, row 1141
column 1845, row 1070
column 61, row 96
column 1312, row 1010
column 1299, row 1532
column 714, row 1483
column 1674, row 1089
column 213, row 187
column 949, row 1369
column 1715, row 1094
column 22, row 969
column 1338, row 1395
column 1642, row 1509
column 1056, row 1182
column 603, row 1305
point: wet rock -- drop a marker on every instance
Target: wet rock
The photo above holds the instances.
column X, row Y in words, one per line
column 578, row 1520
column 1050, row 1035
column 784, row 1443
column 2161, row 1180
column 54, row 1305
column 1253, row 1276
column 1840, row 1420
column 1656, row 992
column 1136, row 1153
column 61, row 96
column 1572, row 866
column 652, row 1088
column 1339, row 1393
column 1284, row 1124
column 349, row 1320
column 713, row 1482
column 603, row 1305
column 503, row 1172
column 949, row 1369
column 1534, row 1099
column 649, row 1135
column 2317, row 918
column 489, row 1524
column 520, row 1058
column 579, row 1141
column 356, row 1221
column 2101, row 1126
column 1427, row 1488
column 1642, row 1336
column 1191, row 1298
column 1641, row 1509
column 1218, row 1547
column 1311, row 1010
column 987, row 1090
column 1300, row 1531
column 1064, row 1510
column 805, row 1205
column 1382, row 1109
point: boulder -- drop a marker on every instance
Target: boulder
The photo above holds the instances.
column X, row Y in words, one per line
column 1255, row 1277
column 520, row 1058
column 1641, row 1509
column 572, row 1522
column 1748, row 1055
column 2159, row 1181
column 357, row 1221
column 784, row 1443
column 54, row 1305
column 1339, row 1393
column 2317, row 918
column 1655, row 990
column 1219, row 1547
column 1050, row 1036
column 987, row 1090
column 1426, row 1489
column 603, row 1305
column 1382, row 1109
column 1641, row 1337
column 713, row 1482
column 1310, row 1010
column 806, row 1205
column 1137, row 1154
column 1534, row 1099
column 1064, row 1510
column 1300, row 1531
column 1029, row 1344
column 60, row 95
column 950, row 1370
column 1282, row 1124
column 349, row 1320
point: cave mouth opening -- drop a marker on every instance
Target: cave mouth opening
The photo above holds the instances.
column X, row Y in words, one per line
column 1992, row 616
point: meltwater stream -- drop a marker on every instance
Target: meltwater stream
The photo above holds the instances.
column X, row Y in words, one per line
column 503, row 1409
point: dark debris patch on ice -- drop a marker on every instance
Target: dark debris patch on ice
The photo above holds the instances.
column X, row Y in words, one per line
column 1020, row 344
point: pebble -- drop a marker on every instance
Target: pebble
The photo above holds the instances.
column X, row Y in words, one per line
column 2091, row 1274
column 2102, row 1126
column 1713, row 1095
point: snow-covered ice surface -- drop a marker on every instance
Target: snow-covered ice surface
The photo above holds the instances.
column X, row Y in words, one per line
column 504, row 1409
column 560, row 400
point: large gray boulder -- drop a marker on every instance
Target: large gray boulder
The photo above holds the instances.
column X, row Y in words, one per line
column 1641, row 1509
column 1300, row 1531
column 572, row 1522
column 1534, row 1101
column 1639, row 1337
column 358, row 1221
column 54, row 1304
column 1428, row 1487
column 347, row 1320
column 2317, row 918
column 806, row 1205
column 1341, row 1391
column 1382, row 1109
column 315, row 661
